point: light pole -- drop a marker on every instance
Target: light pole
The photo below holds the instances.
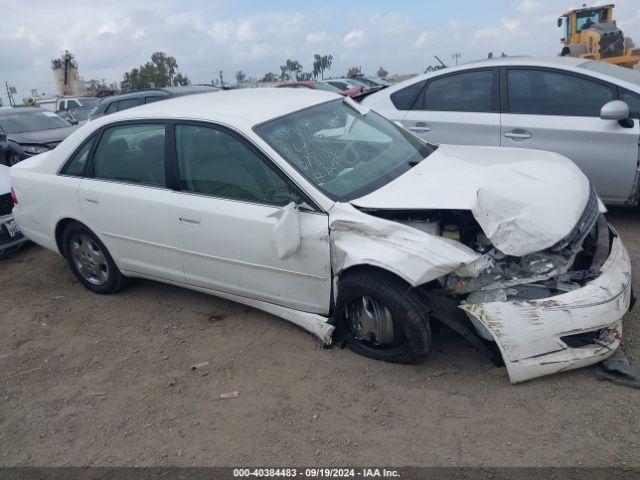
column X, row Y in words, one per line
column 456, row 56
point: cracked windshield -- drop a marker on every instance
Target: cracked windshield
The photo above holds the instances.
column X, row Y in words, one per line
column 345, row 152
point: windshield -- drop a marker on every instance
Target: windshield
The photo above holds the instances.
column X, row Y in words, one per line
column 589, row 18
column 343, row 152
column 21, row 122
column 624, row 74
column 82, row 113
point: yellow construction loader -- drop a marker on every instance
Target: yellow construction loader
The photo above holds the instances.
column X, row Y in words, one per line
column 592, row 33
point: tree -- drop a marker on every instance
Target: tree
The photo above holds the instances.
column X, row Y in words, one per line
column 294, row 67
column 382, row 73
column 160, row 72
column 354, row 72
column 284, row 73
column 304, row 77
column 270, row 77
column 240, row 76
column 321, row 63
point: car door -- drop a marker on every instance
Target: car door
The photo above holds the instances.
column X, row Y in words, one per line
column 460, row 108
column 230, row 199
column 125, row 201
column 559, row 111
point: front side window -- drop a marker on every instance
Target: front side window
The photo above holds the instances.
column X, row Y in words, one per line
column 112, row 108
column 463, row 92
column 128, row 103
column 131, row 153
column 342, row 151
column 214, row 162
column 153, row 98
column 543, row 92
column 633, row 100
column 76, row 166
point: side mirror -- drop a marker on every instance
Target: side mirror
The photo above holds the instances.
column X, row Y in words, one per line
column 559, row 22
column 286, row 231
column 73, row 121
column 615, row 110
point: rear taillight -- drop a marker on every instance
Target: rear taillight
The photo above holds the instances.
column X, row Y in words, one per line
column 14, row 198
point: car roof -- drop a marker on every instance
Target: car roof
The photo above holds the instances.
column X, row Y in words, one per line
column 242, row 108
column 550, row 60
column 170, row 90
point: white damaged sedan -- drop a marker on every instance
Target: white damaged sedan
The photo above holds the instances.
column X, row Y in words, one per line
column 307, row 205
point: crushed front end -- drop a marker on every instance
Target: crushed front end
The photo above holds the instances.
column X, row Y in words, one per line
column 554, row 310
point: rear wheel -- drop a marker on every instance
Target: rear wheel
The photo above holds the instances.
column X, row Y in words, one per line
column 378, row 316
column 90, row 260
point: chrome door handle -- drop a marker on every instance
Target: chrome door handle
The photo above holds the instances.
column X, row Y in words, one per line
column 190, row 220
column 420, row 128
column 91, row 200
column 519, row 135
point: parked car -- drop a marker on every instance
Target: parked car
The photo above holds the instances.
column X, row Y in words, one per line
column 349, row 88
column 117, row 103
column 10, row 236
column 372, row 82
column 320, row 86
column 30, row 131
column 579, row 108
column 310, row 206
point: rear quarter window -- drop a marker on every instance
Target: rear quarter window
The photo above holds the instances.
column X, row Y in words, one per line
column 403, row 99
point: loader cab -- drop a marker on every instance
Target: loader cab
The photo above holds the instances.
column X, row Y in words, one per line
column 575, row 21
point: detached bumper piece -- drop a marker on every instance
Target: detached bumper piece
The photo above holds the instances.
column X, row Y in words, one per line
column 572, row 330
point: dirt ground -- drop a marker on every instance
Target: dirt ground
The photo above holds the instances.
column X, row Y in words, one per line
column 106, row 380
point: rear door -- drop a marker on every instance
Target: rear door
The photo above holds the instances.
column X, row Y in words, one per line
column 125, row 201
column 460, row 108
column 559, row 111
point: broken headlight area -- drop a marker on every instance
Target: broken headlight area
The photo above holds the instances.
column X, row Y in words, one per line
column 547, row 273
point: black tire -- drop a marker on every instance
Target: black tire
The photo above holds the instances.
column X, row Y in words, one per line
column 412, row 333
column 113, row 278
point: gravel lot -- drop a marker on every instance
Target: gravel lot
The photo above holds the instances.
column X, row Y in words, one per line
column 106, row 380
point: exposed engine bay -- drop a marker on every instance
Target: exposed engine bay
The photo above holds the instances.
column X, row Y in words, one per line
column 496, row 277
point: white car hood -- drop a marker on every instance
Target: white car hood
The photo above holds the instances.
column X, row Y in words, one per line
column 5, row 180
column 524, row 200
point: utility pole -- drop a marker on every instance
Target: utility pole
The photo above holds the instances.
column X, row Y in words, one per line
column 221, row 79
column 456, row 56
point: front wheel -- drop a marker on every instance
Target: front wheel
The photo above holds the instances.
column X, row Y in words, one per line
column 90, row 260
column 378, row 316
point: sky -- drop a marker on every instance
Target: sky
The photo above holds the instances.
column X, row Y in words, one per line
column 110, row 37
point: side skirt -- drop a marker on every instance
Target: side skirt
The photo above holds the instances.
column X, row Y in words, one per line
column 311, row 322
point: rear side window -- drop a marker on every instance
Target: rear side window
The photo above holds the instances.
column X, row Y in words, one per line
column 131, row 153
column 404, row 99
column 76, row 166
column 543, row 92
column 462, row 92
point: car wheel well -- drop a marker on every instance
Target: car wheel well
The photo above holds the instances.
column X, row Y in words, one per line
column 60, row 228
column 364, row 268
